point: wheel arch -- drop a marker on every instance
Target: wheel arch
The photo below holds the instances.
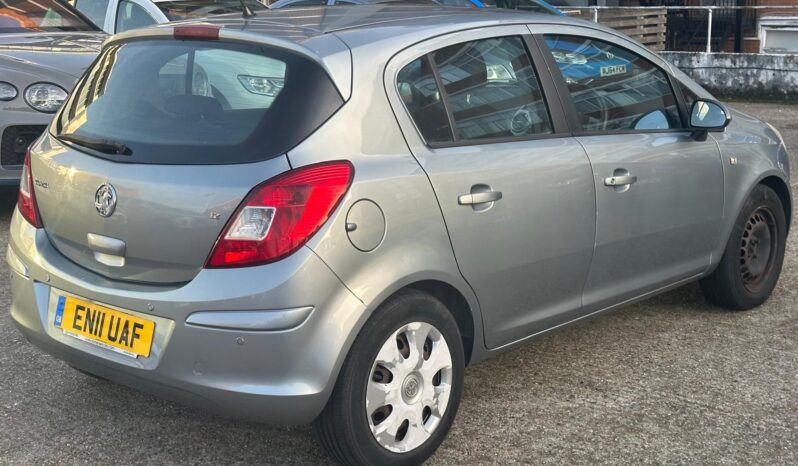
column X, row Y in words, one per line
column 773, row 179
column 783, row 191
column 455, row 294
column 458, row 306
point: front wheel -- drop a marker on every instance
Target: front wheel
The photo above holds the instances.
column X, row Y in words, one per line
column 400, row 386
column 751, row 263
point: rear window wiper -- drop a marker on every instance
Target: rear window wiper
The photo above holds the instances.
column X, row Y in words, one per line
column 101, row 145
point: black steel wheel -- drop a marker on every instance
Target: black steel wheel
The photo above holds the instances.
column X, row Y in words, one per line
column 758, row 247
column 751, row 263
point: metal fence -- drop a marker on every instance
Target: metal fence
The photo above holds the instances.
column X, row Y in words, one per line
column 686, row 28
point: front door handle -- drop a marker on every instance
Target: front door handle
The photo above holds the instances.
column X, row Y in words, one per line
column 479, row 198
column 621, row 180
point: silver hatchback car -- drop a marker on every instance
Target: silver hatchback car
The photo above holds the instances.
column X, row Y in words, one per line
column 325, row 214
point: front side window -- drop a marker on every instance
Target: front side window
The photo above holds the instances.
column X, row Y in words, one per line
column 687, row 94
column 612, row 88
column 131, row 16
column 492, row 90
column 40, row 16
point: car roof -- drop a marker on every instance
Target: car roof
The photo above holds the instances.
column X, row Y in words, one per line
column 331, row 36
column 298, row 24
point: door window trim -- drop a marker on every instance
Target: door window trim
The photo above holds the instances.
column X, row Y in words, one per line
column 567, row 100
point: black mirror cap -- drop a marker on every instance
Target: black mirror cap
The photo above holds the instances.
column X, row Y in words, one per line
column 709, row 115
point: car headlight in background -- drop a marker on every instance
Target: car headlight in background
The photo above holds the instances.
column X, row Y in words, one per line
column 262, row 85
column 45, row 97
column 7, row 91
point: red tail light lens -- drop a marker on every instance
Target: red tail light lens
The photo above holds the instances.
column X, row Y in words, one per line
column 281, row 214
column 200, row 32
column 26, row 200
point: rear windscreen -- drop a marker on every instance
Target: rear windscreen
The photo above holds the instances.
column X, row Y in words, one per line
column 195, row 102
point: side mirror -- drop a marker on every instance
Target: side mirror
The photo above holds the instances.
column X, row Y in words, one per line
column 707, row 115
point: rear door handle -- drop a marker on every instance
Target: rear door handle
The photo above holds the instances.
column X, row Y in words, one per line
column 479, row 198
column 621, row 180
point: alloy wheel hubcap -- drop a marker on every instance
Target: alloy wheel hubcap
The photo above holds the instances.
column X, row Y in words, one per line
column 409, row 387
column 757, row 249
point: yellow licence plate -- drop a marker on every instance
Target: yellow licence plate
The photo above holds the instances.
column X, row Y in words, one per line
column 105, row 327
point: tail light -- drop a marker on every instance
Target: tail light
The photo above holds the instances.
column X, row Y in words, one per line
column 26, row 200
column 281, row 214
column 198, row 32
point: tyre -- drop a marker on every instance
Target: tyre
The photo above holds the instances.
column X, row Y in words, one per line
column 751, row 263
column 400, row 386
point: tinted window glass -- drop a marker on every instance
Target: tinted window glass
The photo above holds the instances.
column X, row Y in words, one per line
column 95, row 10
column 187, row 9
column 298, row 3
column 688, row 95
column 194, row 102
column 420, row 94
column 39, row 15
column 463, row 3
column 614, row 89
column 131, row 16
column 492, row 89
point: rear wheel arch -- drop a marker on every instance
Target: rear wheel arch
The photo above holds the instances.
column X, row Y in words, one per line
column 458, row 306
column 452, row 298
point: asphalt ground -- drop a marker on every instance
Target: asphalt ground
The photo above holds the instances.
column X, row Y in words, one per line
column 669, row 380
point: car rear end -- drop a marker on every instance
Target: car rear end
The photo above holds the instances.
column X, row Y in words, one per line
column 160, row 236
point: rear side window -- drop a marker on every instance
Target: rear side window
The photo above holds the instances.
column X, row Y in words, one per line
column 95, row 10
column 192, row 102
column 131, row 16
column 614, row 89
column 492, row 89
column 420, row 94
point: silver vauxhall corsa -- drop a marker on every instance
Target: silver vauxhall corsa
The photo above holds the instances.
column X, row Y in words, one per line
column 325, row 214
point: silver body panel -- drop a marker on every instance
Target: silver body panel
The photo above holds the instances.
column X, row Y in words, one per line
column 184, row 209
column 665, row 226
column 558, row 247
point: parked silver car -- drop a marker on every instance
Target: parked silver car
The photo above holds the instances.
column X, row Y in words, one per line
column 44, row 48
column 327, row 214
column 115, row 16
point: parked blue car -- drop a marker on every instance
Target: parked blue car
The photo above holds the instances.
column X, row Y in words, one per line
column 581, row 60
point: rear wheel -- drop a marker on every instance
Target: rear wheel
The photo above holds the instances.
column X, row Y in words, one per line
column 400, row 386
column 751, row 263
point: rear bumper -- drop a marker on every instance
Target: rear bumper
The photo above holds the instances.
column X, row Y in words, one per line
column 222, row 360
